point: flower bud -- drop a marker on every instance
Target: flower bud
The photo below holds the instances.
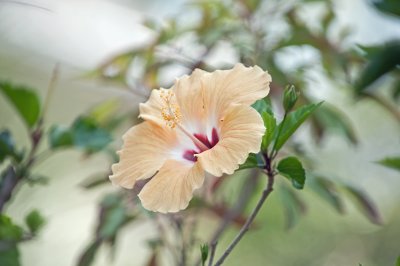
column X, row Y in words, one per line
column 289, row 97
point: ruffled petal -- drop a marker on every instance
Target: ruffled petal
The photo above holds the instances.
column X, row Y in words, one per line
column 241, row 131
column 204, row 95
column 151, row 110
column 146, row 147
column 171, row 189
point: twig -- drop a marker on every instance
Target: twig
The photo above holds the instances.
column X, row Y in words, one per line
column 231, row 215
column 213, row 247
column 267, row 191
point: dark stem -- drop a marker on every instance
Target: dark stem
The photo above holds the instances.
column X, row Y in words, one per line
column 8, row 184
column 213, row 247
column 233, row 213
column 267, row 191
column 14, row 176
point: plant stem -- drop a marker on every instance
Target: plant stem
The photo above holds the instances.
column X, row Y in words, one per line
column 245, row 194
column 213, row 247
column 273, row 151
column 267, row 191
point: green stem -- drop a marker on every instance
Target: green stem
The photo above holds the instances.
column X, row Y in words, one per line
column 274, row 152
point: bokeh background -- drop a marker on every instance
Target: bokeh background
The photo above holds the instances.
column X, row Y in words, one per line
column 80, row 36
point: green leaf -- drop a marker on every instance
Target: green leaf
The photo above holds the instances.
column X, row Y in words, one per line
column 391, row 162
column 8, row 230
column 253, row 161
column 293, row 122
column 398, row 261
column 35, row 221
column 87, row 258
column 327, row 191
column 96, row 180
column 385, row 59
column 104, row 112
column 24, row 100
column 113, row 216
column 9, row 256
column 365, row 204
column 88, row 135
column 292, row 169
column 391, row 7
column 113, row 221
column 60, row 136
column 293, row 206
column 37, row 179
column 84, row 133
column 270, row 125
column 204, row 253
column 263, row 105
column 7, row 147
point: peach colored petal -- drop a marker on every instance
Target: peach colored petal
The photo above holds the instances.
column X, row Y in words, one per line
column 204, row 95
column 151, row 110
column 146, row 147
column 241, row 131
column 171, row 189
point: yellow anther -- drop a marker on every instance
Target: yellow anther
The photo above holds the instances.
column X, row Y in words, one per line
column 170, row 112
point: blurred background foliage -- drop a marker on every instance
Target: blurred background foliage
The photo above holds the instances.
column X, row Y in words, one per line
column 277, row 36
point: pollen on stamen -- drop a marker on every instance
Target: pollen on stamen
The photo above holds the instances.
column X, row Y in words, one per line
column 170, row 112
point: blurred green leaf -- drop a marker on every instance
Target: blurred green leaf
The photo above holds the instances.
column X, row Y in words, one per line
column 96, row 180
column 253, row 161
column 331, row 118
column 87, row 258
column 263, row 105
column 7, row 147
column 384, row 59
column 37, row 179
column 24, row 100
column 396, row 90
column 292, row 123
column 113, row 216
column 388, row 6
column 35, row 221
column 391, row 162
column 8, row 230
column 60, row 136
column 9, row 256
column 365, row 204
column 292, row 204
column 84, row 133
column 398, row 261
column 204, row 253
column 327, row 191
column 291, row 168
column 112, row 222
column 88, row 135
column 270, row 125
column 104, row 112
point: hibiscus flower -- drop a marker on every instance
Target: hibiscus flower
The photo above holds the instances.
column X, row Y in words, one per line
column 204, row 123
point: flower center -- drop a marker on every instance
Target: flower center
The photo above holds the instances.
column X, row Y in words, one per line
column 172, row 115
column 190, row 154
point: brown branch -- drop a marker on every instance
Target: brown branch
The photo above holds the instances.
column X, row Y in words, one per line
column 267, row 191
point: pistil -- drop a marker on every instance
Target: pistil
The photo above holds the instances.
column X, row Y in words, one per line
column 172, row 116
